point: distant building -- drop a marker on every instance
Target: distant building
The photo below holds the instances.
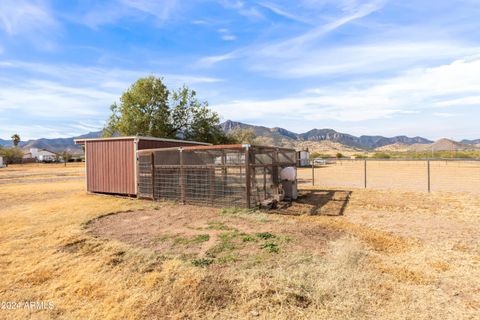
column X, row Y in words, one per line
column 1, row 162
column 41, row 155
column 303, row 158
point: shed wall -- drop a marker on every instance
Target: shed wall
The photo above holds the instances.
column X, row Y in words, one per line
column 111, row 166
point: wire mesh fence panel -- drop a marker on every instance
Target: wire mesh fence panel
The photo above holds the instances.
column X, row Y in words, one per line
column 404, row 175
column 167, row 183
column 144, row 176
column 334, row 174
column 455, row 176
column 235, row 176
column 398, row 175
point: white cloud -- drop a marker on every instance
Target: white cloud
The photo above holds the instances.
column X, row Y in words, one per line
column 226, row 35
column 284, row 12
column 296, row 46
column 76, row 99
column 111, row 12
column 20, row 16
column 31, row 20
column 243, row 9
column 159, row 9
column 453, row 85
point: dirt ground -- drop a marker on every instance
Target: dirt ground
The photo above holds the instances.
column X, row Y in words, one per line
column 172, row 229
column 334, row 254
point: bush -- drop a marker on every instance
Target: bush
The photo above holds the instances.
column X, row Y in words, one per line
column 381, row 155
column 360, row 156
column 315, row 155
column 339, row 155
column 11, row 155
column 271, row 247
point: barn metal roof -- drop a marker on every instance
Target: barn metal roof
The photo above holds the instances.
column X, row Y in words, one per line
column 82, row 141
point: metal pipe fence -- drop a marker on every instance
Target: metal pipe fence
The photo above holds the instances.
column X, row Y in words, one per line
column 426, row 175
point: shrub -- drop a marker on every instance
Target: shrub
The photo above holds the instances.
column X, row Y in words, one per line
column 265, row 235
column 202, row 262
column 381, row 155
column 271, row 247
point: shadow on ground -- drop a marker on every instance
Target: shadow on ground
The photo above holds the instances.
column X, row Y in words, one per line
column 317, row 202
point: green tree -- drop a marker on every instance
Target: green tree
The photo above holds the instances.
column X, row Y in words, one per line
column 242, row 135
column 143, row 110
column 15, row 140
column 66, row 156
column 191, row 119
column 148, row 108
column 11, row 155
column 339, row 155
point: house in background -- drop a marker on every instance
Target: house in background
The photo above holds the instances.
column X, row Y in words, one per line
column 1, row 162
column 41, row 155
column 303, row 158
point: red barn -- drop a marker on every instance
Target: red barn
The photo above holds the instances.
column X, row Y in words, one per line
column 111, row 163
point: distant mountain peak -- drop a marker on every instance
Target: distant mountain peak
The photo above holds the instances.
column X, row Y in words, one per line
column 282, row 137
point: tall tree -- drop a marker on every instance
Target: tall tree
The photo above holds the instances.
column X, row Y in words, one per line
column 15, row 140
column 191, row 119
column 143, row 110
column 66, row 156
column 149, row 108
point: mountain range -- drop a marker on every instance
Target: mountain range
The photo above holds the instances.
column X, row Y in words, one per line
column 315, row 139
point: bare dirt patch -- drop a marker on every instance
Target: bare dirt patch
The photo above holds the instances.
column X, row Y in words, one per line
column 208, row 233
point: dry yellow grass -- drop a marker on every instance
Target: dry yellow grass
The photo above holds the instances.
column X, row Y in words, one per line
column 384, row 266
column 446, row 176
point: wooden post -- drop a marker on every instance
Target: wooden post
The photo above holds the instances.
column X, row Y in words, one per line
column 428, row 176
column 153, row 175
column 247, row 175
column 224, row 173
column 313, row 172
column 182, row 178
column 265, row 183
column 365, row 173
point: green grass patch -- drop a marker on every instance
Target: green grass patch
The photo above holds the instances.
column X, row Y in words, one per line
column 249, row 238
column 226, row 244
column 265, row 235
column 217, row 225
column 234, row 211
column 227, row 258
column 189, row 241
column 202, row 262
column 271, row 247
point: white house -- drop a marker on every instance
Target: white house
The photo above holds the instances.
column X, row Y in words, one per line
column 41, row 155
column 1, row 162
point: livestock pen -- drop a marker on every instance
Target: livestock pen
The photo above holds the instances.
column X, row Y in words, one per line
column 238, row 175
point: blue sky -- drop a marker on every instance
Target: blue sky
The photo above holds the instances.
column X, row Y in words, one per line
column 361, row 67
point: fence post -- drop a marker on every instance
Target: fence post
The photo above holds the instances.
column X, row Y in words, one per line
column 313, row 172
column 182, row 177
column 247, row 175
column 153, row 175
column 365, row 173
column 428, row 176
